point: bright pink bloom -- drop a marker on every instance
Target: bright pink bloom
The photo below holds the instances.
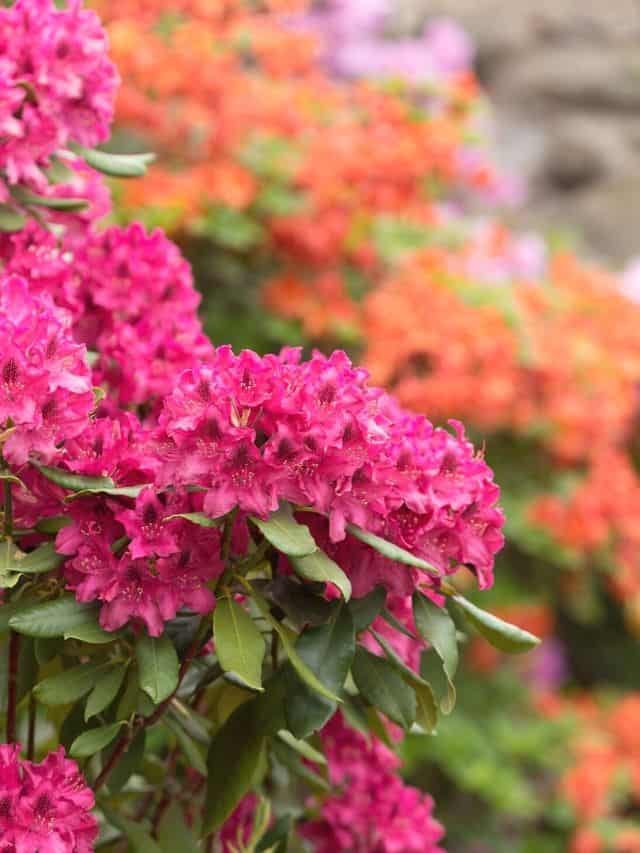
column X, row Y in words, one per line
column 45, row 383
column 46, row 807
column 372, row 810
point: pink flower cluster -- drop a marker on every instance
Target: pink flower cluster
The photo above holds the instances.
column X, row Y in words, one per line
column 254, row 431
column 45, row 382
column 372, row 811
column 132, row 299
column 46, row 807
column 56, row 85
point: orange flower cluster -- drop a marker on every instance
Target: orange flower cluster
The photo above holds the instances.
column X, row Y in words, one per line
column 244, row 117
column 603, row 783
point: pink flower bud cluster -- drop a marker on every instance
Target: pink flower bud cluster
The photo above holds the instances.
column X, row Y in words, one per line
column 45, row 382
column 45, row 807
column 254, row 431
column 372, row 810
column 57, row 85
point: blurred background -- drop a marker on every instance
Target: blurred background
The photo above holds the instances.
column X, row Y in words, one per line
column 447, row 189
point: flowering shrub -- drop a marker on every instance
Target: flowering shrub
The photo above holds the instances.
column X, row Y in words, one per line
column 249, row 558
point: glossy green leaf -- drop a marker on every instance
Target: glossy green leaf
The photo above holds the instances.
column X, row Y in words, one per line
column 319, row 567
column 302, row 747
column 111, row 491
column 53, row 524
column 198, row 518
column 43, row 559
column 292, row 760
column 69, row 205
column 115, row 165
column 299, row 602
column 381, row 685
column 501, row 634
column 239, row 644
column 328, row 652
column 92, row 741
column 364, row 610
column 105, row 691
column 75, row 482
column 438, row 628
column 68, row 686
column 91, row 633
column 53, row 618
column 285, row 533
column 393, row 552
column 426, row 706
column 158, row 667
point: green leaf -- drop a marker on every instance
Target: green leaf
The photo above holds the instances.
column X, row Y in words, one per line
column 198, row 518
column 319, row 567
column 139, row 837
column 70, row 205
column 9, row 556
column 68, row 686
column 105, row 691
column 91, row 633
column 112, row 491
column 88, row 743
column 501, row 634
column 382, row 686
column 53, row 618
column 426, row 706
column 276, row 835
column 393, row 552
column 285, row 533
column 190, row 749
column 234, row 758
column 438, row 628
column 11, row 219
column 43, row 559
column 328, row 652
column 174, row 834
column 298, row 601
column 305, row 673
column 239, row 644
column 115, row 165
column 53, row 524
column 364, row 610
column 75, row 482
column 302, row 747
column 291, row 759
column 158, row 667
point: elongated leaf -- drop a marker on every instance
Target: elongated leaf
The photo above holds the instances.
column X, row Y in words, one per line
column 115, row 165
column 234, row 758
column 190, row 749
column 302, row 747
column 53, row 524
column 68, row 686
column 319, row 567
column 53, row 618
column 364, row 610
column 198, row 518
column 285, row 533
column 328, row 652
column 396, row 661
column 174, row 834
column 43, row 559
column 292, row 760
column 239, row 644
column 501, row 634
column 75, row 482
column 305, row 673
column 157, row 667
column 437, row 627
column 130, row 762
column 298, row 601
column 88, row 743
column 382, row 686
column 393, row 552
column 105, row 691
column 91, row 633
column 111, row 491
column 11, row 219
column 70, row 205
column 426, row 706
column 276, row 836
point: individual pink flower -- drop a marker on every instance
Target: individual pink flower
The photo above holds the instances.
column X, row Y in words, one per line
column 45, row 382
column 45, row 807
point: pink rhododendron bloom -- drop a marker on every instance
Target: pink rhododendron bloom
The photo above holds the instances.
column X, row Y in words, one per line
column 236, row 830
column 45, row 807
column 45, row 383
column 57, row 85
column 372, row 810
